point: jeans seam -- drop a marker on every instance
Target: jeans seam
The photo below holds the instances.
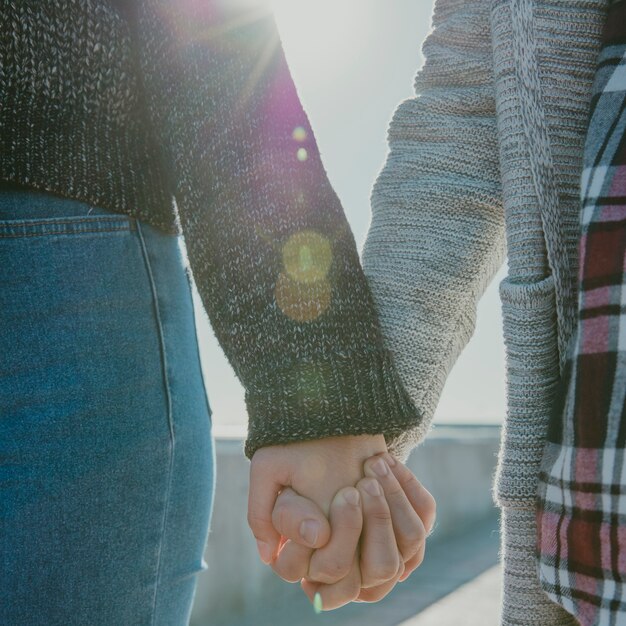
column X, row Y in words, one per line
column 169, row 412
column 38, row 221
column 195, row 328
column 61, row 233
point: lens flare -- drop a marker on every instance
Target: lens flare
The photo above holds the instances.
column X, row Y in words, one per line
column 302, row 155
column 299, row 134
column 307, row 256
column 300, row 301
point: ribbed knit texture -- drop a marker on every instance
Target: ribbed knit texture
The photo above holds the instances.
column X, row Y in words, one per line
column 71, row 120
column 491, row 148
column 523, row 602
column 128, row 104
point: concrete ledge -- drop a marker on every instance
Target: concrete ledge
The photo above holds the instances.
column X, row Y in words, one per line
column 477, row 603
column 455, row 463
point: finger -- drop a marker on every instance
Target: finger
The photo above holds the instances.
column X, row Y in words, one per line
column 412, row 564
column 338, row 594
column 300, row 519
column 407, row 525
column 292, row 562
column 374, row 594
column 266, row 482
column 333, row 562
column 379, row 554
column 419, row 497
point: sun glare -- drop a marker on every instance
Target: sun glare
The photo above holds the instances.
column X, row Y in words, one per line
column 324, row 37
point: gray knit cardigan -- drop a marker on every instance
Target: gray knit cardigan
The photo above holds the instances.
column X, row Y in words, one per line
column 487, row 158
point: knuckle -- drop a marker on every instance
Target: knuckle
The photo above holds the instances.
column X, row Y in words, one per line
column 292, row 576
column 430, row 503
column 409, row 482
column 371, row 595
column 413, row 564
column 395, row 492
column 329, row 572
column 419, row 558
column 387, row 571
column 415, row 561
column 415, row 536
column 380, row 517
column 256, row 521
column 353, row 590
column 430, row 512
column 349, row 588
column 395, row 495
column 288, row 573
column 391, row 485
column 432, row 506
column 401, row 568
column 408, row 550
column 382, row 572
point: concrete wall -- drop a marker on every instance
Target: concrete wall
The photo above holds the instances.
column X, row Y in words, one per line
column 456, row 464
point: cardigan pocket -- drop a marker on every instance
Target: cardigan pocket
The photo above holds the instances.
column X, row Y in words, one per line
column 530, row 336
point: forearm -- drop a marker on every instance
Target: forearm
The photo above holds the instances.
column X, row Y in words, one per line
column 268, row 242
column 437, row 232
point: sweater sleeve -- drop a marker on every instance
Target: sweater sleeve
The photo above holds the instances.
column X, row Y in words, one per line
column 437, row 232
column 268, row 243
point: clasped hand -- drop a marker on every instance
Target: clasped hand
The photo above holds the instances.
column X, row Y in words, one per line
column 340, row 515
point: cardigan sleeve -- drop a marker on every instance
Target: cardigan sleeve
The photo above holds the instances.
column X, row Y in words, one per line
column 437, row 233
column 268, row 243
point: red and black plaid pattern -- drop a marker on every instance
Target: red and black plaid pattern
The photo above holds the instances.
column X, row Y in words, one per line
column 582, row 496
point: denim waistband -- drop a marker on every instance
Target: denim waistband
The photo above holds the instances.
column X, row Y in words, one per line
column 22, row 204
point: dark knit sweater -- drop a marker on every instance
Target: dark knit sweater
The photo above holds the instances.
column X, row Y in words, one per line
column 129, row 104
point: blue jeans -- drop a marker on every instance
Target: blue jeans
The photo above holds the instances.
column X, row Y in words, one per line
column 106, row 455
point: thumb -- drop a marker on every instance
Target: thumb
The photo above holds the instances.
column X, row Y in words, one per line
column 300, row 519
column 269, row 474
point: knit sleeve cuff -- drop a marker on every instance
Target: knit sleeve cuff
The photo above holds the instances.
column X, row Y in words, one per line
column 349, row 395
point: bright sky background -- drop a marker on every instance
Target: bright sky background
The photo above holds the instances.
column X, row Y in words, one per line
column 353, row 61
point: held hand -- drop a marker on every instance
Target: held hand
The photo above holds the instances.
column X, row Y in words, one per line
column 413, row 508
column 411, row 517
column 375, row 567
column 406, row 513
column 316, row 470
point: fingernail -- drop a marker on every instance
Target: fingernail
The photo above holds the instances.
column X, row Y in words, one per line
column 380, row 467
column 390, row 460
column 351, row 496
column 317, row 603
column 309, row 530
column 372, row 487
column 264, row 551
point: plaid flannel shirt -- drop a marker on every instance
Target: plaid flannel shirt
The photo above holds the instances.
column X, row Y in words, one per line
column 582, row 496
